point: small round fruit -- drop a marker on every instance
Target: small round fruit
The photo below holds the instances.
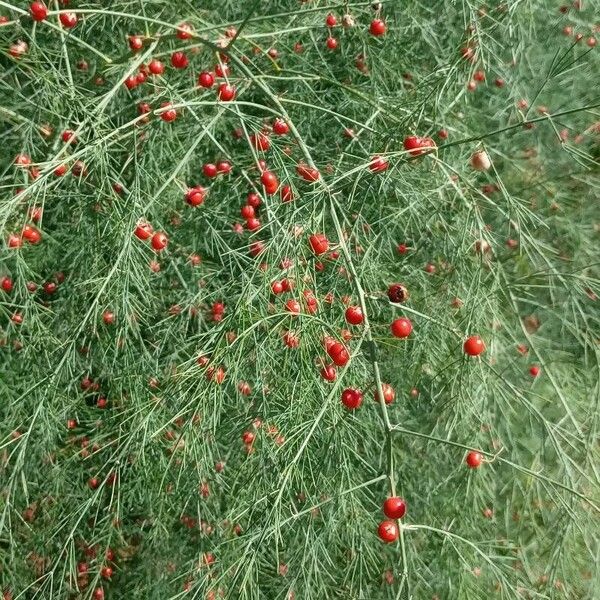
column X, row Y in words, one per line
column 377, row 27
column 388, row 531
column 226, row 92
column 169, row 114
column 474, row 460
column 159, row 241
column 68, row 19
column 143, row 230
column 280, row 127
column 339, row 354
column 319, row 243
column 397, row 293
column 206, row 79
column 354, row 315
column 480, row 161
column 534, row 370
column 388, row 393
column 401, row 328
column 195, row 196
column 394, row 507
column 352, row 398
column 474, row 346
column 38, row 11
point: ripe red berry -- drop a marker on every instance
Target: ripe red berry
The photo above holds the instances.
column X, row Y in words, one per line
column 474, row 459
column 247, row 211
column 293, row 306
column 179, row 60
column 184, row 31
column 226, row 92
column 394, row 507
column 156, row 67
column 352, row 398
column 338, row 354
column 260, row 141
column 210, row 170
column 397, row 293
column 286, row 193
column 388, row 531
column 332, row 43
column 280, row 127
column 331, row 20
column 195, row 196
column 269, row 181
column 377, row 27
column 378, row 164
column 534, row 370
column 68, row 19
column 307, row 173
column 143, row 230
column 474, row 346
column 6, row 283
column 319, row 243
column 169, row 114
column 135, row 42
column 401, row 328
column 354, row 315
column 38, row 11
column 206, row 79
column 388, row 393
column 224, row 167
column 328, row 373
column 159, row 241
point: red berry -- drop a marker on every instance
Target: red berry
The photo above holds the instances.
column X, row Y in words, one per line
column 388, row 393
column 354, row 315
column 210, row 170
column 6, row 284
column 260, row 141
column 534, row 370
column 156, row 67
column 159, row 241
column 377, row 27
column 168, row 115
column 331, row 20
column 397, row 293
column 226, row 92
column 338, row 354
column 474, row 346
column 143, row 230
column 378, row 164
column 286, row 193
column 224, row 167
column 388, row 531
column 280, row 127
column 108, row 317
column 247, row 211
column 352, row 398
column 184, row 31
column 195, row 196
column 332, row 43
column 293, row 306
column 329, row 373
column 179, row 60
column 68, row 19
column 135, row 42
column 270, row 182
column 394, row 507
column 206, row 79
column 401, row 328
column 38, row 11
column 319, row 243
column 474, row 459
column 308, row 173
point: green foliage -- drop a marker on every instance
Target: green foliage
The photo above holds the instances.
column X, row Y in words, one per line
column 514, row 255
